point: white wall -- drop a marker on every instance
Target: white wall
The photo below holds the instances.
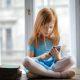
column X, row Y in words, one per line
column 75, row 29
column 77, row 5
column 0, row 52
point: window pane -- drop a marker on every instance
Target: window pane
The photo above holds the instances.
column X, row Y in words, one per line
column 39, row 3
column 59, row 2
column 12, row 25
column 18, row 3
column 18, row 34
column 45, row 2
column 1, row 3
column 7, row 3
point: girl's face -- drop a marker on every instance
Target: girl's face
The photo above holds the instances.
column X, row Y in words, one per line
column 47, row 29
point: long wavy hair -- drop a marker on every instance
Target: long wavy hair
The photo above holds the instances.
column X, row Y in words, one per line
column 45, row 16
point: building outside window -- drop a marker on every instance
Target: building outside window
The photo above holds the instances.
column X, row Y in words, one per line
column 12, row 26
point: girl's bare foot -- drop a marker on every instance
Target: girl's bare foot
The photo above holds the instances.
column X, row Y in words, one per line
column 67, row 74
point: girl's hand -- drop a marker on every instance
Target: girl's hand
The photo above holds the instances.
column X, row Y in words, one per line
column 54, row 51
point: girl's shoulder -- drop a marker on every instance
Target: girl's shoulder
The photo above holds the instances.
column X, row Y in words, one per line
column 31, row 40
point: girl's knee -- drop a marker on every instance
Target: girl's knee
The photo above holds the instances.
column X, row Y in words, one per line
column 26, row 61
column 69, row 60
column 26, row 58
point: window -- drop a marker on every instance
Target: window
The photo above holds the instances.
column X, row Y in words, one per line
column 12, row 32
column 7, row 3
column 1, row 3
column 62, row 9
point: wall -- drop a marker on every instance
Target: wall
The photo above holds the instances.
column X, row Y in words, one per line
column 75, row 27
column 77, row 5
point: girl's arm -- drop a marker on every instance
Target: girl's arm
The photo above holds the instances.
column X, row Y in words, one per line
column 30, row 54
column 54, row 52
column 43, row 56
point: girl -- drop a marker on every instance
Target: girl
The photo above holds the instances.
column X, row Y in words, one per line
column 43, row 57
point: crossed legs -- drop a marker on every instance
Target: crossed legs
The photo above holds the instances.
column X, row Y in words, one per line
column 36, row 68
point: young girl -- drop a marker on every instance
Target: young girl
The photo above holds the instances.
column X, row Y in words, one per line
column 44, row 57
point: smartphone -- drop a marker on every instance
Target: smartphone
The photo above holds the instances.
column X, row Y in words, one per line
column 57, row 47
